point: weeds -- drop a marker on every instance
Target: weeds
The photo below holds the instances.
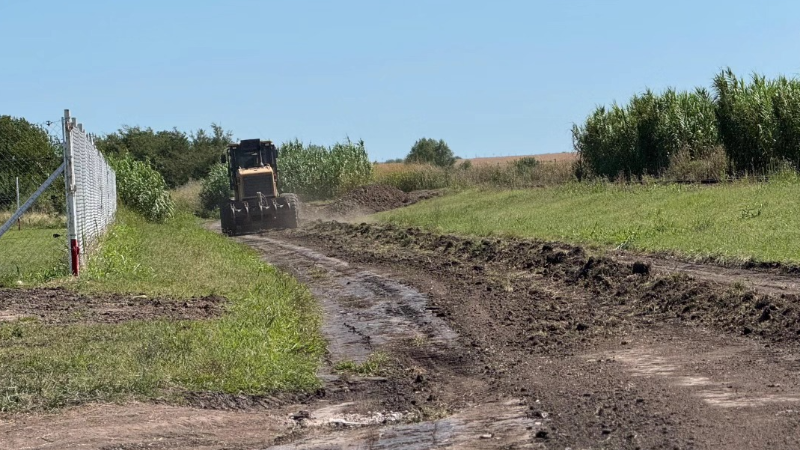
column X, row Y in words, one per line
column 374, row 365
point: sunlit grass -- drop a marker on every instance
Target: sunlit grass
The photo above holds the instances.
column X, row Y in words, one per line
column 32, row 255
column 268, row 339
column 741, row 220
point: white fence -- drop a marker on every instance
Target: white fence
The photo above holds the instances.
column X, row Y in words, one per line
column 91, row 192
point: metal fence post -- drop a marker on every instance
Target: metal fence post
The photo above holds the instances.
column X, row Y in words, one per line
column 19, row 221
column 69, row 180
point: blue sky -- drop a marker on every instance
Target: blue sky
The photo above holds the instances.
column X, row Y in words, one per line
column 490, row 78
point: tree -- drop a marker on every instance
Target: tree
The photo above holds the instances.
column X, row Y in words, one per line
column 431, row 151
column 177, row 156
column 27, row 152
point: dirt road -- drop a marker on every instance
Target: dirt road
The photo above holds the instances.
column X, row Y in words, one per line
column 599, row 353
column 444, row 342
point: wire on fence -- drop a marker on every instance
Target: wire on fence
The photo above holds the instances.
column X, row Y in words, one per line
column 34, row 247
column 42, row 224
column 91, row 192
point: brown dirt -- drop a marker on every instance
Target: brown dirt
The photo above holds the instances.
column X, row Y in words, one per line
column 365, row 200
column 496, row 343
column 61, row 306
column 370, row 199
column 603, row 354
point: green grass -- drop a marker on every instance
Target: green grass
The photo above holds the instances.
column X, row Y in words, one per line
column 267, row 340
column 373, row 365
column 32, row 255
column 742, row 220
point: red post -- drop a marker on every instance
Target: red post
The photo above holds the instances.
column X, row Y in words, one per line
column 75, row 251
column 69, row 181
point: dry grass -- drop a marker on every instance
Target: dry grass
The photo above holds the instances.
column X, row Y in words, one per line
column 411, row 177
column 187, row 197
column 569, row 157
column 545, row 157
column 36, row 220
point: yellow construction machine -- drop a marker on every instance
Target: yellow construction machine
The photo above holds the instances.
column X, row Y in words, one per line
column 256, row 205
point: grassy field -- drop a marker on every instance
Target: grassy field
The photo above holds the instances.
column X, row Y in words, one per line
column 32, row 255
column 742, row 220
column 267, row 340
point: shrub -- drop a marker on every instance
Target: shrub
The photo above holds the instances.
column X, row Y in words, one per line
column 142, row 189
column 525, row 165
column 713, row 166
column 414, row 177
column 431, row 151
column 215, row 188
column 316, row 172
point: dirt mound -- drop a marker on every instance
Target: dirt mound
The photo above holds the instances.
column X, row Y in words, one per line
column 60, row 306
column 364, row 200
column 370, row 199
column 565, row 295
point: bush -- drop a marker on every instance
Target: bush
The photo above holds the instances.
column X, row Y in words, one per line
column 526, row 164
column 713, row 166
column 431, row 151
column 142, row 189
column 315, row 172
column 414, row 177
column 215, row 188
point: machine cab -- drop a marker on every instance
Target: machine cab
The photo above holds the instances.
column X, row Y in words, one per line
column 252, row 169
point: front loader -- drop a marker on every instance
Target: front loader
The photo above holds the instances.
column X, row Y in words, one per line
column 256, row 205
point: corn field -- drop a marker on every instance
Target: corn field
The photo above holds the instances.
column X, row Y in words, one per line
column 316, row 172
column 757, row 123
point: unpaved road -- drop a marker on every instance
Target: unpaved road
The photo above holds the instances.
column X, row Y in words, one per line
column 492, row 343
column 600, row 356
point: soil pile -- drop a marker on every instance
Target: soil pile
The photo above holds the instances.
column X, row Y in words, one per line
column 60, row 306
column 370, row 199
column 558, row 294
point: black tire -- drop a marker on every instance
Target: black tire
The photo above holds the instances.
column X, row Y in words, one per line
column 290, row 218
column 227, row 221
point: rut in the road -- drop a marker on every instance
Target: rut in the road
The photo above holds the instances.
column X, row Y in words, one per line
column 364, row 313
column 604, row 354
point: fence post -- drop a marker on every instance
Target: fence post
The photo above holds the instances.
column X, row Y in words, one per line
column 19, row 221
column 69, row 180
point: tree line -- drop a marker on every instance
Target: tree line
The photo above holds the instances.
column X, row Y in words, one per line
column 30, row 153
column 178, row 156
